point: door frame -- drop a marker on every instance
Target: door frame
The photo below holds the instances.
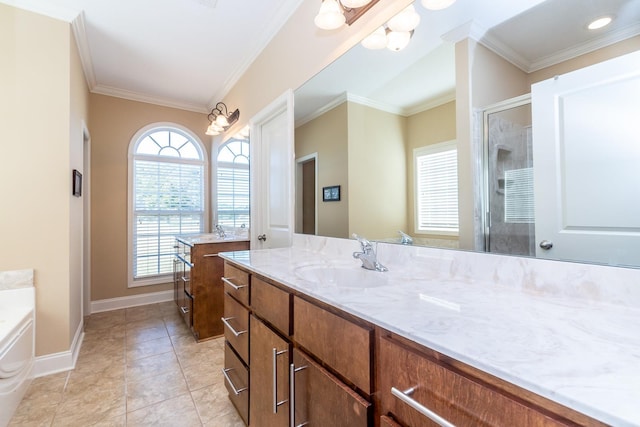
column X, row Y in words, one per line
column 298, row 190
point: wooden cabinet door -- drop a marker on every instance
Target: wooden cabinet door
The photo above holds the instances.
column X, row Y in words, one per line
column 421, row 383
column 321, row 399
column 269, row 379
column 207, row 291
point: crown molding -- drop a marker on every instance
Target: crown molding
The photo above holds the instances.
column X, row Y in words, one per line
column 430, row 103
column 282, row 16
column 468, row 30
column 80, row 34
column 135, row 96
column 501, row 49
column 320, row 111
column 375, row 104
column 584, row 48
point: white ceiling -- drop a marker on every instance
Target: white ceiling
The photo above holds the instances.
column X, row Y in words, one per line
column 180, row 53
column 530, row 34
column 189, row 53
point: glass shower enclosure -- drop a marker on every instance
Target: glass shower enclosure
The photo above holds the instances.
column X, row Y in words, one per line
column 509, row 222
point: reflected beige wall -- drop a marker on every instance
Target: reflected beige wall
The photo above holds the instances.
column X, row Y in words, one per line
column 377, row 171
column 426, row 128
column 327, row 136
column 114, row 122
column 40, row 73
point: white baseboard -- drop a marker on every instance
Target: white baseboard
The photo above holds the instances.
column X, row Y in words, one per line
column 60, row 362
column 132, row 301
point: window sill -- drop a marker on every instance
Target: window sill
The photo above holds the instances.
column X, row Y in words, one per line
column 150, row 281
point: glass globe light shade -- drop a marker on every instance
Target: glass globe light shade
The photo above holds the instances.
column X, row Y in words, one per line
column 222, row 121
column 376, row 40
column 406, row 20
column 211, row 130
column 352, row 4
column 398, row 40
column 437, row 4
column 329, row 16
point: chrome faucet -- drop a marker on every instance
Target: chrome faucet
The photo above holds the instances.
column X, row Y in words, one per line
column 368, row 255
column 220, row 231
column 405, row 239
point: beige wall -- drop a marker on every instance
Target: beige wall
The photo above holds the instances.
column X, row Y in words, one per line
column 426, row 128
column 377, row 172
column 327, row 136
column 114, row 122
column 35, row 167
column 298, row 52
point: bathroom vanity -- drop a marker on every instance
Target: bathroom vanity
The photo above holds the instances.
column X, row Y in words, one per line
column 197, row 286
column 442, row 335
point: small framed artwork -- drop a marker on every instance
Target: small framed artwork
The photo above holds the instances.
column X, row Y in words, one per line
column 331, row 194
column 77, row 183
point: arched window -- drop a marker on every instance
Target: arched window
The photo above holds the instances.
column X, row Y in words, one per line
column 232, row 183
column 167, row 178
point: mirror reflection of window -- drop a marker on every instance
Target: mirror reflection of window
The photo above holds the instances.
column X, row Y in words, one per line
column 436, row 175
column 232, row 184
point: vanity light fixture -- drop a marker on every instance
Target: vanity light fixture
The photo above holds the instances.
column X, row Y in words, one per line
column 396, row 33
column 220, row 120
column 601, row 22
column 334, row 14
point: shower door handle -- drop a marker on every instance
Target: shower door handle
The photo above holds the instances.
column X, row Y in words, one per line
column 546, row 245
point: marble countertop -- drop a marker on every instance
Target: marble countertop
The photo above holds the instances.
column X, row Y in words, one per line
column 197, row 239
column 581, row 353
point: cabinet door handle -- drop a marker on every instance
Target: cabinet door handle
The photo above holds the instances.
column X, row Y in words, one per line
column 225, row 320
column 404, row 396
column 236, row 391
column 184, row 310
column 233, row 285
column 292, row 395
column 209, row 255
column 276, row 353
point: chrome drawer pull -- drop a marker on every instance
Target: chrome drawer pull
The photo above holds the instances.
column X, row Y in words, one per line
column 184, row 261
column 185, row 279
column 184, row 310
column 236, row 391
column 404, row 396
column 209, row 255
column 276, row 353
column 225, row 320
column 292, row 395
column 233, row 285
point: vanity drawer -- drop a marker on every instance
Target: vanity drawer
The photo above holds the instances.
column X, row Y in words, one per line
column 340, row 343
column 236, row 326
column 271, row 304
column 236, row 283
column 458, row 399
column 236, row 380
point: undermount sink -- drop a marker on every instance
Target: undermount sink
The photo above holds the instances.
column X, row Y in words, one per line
column 347, row 277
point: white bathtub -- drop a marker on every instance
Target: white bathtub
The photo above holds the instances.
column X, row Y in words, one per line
column 17, row 326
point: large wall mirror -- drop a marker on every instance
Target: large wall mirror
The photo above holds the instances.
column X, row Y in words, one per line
column 362, row 123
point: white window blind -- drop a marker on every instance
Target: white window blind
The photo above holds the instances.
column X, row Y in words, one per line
column 233, row 184
column 518, row 196
column 167, row 199
column 436, row 177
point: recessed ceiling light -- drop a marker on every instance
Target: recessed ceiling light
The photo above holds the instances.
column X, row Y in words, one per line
column 600, row 22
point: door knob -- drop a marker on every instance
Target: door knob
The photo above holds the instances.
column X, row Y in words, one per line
column 546, row 245
column 262, row 237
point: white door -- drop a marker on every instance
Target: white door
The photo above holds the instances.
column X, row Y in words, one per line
column 586, row 150
column 272, row 175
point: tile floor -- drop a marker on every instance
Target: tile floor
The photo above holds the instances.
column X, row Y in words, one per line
column 137, row 367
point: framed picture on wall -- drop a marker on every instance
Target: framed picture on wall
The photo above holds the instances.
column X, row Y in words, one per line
column 331, row 194
column 77, row 183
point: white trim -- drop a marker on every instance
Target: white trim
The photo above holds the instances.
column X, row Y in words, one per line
column 320, row 111
column 431, row 103
column 60, row 362
column 136, row 96
column 80, row 33
column 131, row 301
column 86, row 221
column 468, row 30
